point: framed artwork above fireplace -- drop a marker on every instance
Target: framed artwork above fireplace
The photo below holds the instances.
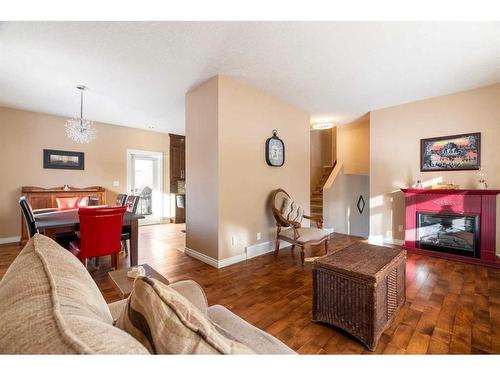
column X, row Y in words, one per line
column 451, row 153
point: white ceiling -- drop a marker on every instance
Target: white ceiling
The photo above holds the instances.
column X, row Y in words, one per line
column 138, row 72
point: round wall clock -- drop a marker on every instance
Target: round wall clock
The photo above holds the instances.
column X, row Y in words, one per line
column 275, row 150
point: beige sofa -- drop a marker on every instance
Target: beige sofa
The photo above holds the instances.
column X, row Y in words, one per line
column 50, row 304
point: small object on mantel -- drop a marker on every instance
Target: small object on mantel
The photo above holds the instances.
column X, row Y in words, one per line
column 66, row 187
column 418, row 185
column 481, row 182
column 445, row 186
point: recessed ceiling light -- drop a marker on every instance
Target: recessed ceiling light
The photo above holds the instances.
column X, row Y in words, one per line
column 322, row 125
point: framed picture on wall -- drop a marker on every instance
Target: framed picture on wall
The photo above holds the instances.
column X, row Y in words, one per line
column 57, row 159
column 451, row 153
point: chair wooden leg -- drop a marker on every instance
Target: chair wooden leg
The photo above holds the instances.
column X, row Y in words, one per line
column 277, row 247
column 115, row 260
column 302, row 256
column 292, row 249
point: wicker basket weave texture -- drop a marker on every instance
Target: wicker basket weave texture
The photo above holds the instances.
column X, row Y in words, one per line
column 359, row 289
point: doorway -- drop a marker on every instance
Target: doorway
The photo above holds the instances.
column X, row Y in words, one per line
column 145, row 179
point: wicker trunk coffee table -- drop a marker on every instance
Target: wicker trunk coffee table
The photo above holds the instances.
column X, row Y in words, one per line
column 360, row 289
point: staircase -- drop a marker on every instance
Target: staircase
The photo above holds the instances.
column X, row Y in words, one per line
column 317, row 193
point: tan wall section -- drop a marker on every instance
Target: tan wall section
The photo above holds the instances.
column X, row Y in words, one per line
column 340, row 199
column 24, row 135
column 353, row 146
column 395, row 149
column 228, row 181
column 321, row 153
column 202, row 179
column 247, row 117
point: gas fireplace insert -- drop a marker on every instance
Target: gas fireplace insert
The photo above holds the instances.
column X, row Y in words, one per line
column 448, row 233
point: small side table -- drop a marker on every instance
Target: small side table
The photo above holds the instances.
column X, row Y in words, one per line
column 124, row 284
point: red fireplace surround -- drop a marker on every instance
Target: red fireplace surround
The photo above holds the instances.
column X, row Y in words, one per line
column 473, row 202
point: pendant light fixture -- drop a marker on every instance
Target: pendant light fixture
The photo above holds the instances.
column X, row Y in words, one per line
column 80, row 130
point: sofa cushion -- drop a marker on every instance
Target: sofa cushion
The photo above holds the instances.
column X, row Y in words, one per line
column 167, row 323
column 50, row 304
column 259, row 341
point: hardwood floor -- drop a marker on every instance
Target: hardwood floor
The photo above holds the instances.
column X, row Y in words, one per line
column 451, row 307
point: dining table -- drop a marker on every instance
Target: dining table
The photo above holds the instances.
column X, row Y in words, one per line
column 52, row 221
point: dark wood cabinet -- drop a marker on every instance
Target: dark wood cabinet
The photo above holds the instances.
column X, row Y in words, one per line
column 177, row 162
column 178, row 176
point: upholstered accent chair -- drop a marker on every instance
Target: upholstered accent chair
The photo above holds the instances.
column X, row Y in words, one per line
column 289, row 215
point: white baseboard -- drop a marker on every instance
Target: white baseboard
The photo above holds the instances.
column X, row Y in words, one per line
column 263, row 248
column 330, row 230
column 214, row 262
column 232, row 260
column 204, row 258
column 10, row 240
column 252, row 251
column 380, row 240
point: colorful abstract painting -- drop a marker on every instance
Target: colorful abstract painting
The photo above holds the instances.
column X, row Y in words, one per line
column 457, row 152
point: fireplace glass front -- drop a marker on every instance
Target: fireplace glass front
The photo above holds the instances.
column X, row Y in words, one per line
column 450, row 233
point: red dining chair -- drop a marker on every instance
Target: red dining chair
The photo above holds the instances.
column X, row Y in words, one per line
column 100, row 234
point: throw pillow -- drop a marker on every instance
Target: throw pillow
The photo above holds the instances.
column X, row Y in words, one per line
column 167, row 323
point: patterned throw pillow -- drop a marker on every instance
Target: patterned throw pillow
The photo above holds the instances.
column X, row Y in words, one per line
column 291, row 210
column 165, row 322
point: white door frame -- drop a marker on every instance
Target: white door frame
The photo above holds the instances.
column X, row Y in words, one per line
column 159, row 156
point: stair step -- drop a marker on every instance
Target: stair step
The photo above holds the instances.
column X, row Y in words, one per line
column 317, row 200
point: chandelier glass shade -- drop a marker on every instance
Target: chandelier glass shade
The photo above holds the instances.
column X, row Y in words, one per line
column 80, row 130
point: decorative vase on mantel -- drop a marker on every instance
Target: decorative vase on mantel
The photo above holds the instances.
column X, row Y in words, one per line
column 482, row 185
column 481, row 182
column 418, row 185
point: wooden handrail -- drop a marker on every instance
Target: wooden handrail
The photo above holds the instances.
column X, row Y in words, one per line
column 333, row 175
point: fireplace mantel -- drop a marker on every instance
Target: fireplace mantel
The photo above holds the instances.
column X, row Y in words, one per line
column 451, row 191
column 459, row 201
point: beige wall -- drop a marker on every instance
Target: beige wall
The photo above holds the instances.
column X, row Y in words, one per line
column 340, row 210
column 24, row 135
column 322, row 151
column 245, row 119
column 395, row 149
column 202, row 169
column 340, row 199
column 353, row 146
